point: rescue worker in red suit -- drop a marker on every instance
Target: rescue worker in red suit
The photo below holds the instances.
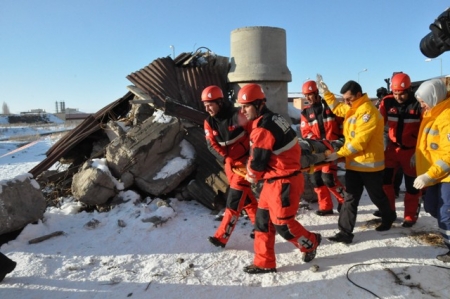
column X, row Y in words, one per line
column 275, row 160
column 228, row 140
column 318, row 122
column 403, row 114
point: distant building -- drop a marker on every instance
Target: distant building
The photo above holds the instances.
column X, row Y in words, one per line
column 37, row 111
column 72, row 115
column 34, row 111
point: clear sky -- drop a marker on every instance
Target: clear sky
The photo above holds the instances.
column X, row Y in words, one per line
column 81, row 51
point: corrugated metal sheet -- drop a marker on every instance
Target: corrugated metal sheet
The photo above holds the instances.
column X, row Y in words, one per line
column 182, row 80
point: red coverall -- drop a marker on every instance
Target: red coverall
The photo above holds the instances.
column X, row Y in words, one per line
column 403, row 120
column 275, row 159
column 319, row 122
column 227, row 139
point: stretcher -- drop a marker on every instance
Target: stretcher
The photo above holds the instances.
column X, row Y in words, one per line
column 308, row 159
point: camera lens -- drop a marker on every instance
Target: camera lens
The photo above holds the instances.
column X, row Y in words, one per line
column 428, row 46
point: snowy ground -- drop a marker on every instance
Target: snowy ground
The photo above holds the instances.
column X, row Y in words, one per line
column 98, row 258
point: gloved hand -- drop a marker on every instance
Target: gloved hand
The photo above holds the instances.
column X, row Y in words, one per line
column 422, row 181
column 412, row 162
column 332, row 157
column 319, row 157
column 323, row 88
column 240, row 168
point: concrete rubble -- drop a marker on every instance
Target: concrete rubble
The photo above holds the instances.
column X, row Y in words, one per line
column 21, row 203
column 136, row 137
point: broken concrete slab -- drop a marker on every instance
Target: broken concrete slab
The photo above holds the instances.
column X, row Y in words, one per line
column 93, row 186
column 21, row 203
column 162, row 179
column 145, row 150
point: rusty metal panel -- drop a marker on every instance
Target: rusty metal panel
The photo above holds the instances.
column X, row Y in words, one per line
column 182, row 80
column 192, row 81
column 158, row 79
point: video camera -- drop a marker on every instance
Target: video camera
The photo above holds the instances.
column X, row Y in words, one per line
column 438, row 40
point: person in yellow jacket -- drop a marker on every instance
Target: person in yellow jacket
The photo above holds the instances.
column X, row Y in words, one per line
column 364, row 157
column 433, row 155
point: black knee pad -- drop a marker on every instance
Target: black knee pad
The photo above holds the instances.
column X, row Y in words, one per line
column 328, row 179
column 262, row 220
column 388, row 176
column 234, row 196
column 283, row 231
column 409, row 181
column 316, row 179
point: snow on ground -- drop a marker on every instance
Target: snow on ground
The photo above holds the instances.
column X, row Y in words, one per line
column 31, row 131
column 21, row 156
column 120, row 254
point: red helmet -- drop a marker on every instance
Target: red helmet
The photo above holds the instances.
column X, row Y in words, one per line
column 400, row 82
column 309, row 87
column 212, row 93
column 250, row 93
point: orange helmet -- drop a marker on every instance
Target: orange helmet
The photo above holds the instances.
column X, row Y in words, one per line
column 400, row 82
column 212, row 93
column 309, row 87
column 250, row 93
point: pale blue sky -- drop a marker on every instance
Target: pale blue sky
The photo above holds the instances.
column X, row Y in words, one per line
column 80, row 52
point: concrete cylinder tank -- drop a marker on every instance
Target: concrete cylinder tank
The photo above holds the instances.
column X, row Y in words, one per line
column 258, row 55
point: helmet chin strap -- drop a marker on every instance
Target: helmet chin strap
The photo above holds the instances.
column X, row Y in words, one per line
column 258, row 107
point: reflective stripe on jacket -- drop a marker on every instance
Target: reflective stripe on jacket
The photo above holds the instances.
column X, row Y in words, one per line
column 275, row 151
column 363, row 131
column 225, row 135
column 324, row 125
column 433, row 145
column 403, row 120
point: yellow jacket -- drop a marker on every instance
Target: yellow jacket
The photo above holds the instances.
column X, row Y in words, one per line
column 363, row 131
column 433, row 143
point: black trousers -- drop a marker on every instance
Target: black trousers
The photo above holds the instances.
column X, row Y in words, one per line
column 355, row 182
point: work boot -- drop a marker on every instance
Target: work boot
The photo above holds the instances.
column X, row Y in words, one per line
column 216, row 242
column 341, row 238
column 407, row 223
column 444, row 257
column 7, row 269
column 324, row 212
column 383, row 227
column 253, row 269
column 309, row 256
column 386, row 222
